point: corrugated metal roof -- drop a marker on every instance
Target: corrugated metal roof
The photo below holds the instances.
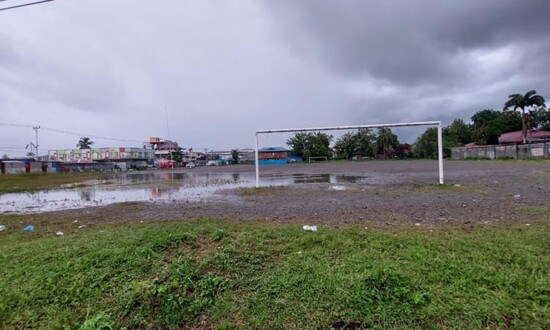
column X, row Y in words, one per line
column 273, row 149
column 517, row 137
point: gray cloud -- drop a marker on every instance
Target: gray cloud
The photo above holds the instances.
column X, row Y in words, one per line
column 405, row 42
column 223, row 69
column 421, row 60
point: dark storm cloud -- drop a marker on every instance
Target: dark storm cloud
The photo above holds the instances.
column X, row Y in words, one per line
column 407, row 42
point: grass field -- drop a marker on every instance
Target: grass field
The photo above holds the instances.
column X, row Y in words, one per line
column 40, row 181
column 208, row 273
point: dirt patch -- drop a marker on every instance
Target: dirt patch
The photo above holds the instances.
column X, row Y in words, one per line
column 401, row 193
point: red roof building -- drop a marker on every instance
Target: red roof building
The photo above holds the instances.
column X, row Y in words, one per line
column 517, row 137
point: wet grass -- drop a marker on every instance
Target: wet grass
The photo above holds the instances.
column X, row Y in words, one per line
column 222, row 274
column 537, row 211
column 41, row 181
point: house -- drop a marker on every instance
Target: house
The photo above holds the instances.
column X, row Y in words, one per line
column 164, row 149
column 22, row 165
column 273, row 155
column 124, row 157
column 533, row 135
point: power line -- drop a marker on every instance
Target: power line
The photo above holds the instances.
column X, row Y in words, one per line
column 25, row 4
column 52, row 129
column 12, row 148
column 15, row 125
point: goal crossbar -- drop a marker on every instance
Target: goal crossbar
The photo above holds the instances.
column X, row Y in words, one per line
column 350, row 127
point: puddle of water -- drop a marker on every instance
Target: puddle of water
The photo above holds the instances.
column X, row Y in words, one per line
column 156, row 187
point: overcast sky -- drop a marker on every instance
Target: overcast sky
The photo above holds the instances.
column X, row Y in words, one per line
column 207, row 73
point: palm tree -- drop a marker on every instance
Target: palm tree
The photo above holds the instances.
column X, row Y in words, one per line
column 84, row 143
column 518, row 101
column 386, row 140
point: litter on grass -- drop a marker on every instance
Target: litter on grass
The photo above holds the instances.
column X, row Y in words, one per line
column 29, row 228
column 2, row 227
column 59, row 233
column 310, row 228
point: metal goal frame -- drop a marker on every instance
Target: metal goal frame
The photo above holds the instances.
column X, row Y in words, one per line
column 341, row 128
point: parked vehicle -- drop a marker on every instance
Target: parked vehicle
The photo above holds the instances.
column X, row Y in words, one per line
column 165, row 163
column 211, row 163
column 190, row 165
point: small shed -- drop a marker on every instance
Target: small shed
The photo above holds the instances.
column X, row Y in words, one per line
column 273, row 155
column 12, row 166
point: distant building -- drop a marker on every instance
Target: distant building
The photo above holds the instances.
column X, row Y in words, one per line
column 22, row 165
column 164, row 149
column 273, row 155
column 517, row 137
column 247, row 156
column 191, row 156
column 122, row 156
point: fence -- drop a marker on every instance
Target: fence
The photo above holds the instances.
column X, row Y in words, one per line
column 519, row 151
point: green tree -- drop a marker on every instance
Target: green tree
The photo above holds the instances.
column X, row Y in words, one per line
column 457, row 134
column 403, row 150
column 540, row 119
column 360, row 143
column 525, row 103
column 426, row 144
column 311, row 144
column 297, row 144
column 386, row 141
column 488, row 125
column 346, row 145
column 84, row 143
column 366, row 142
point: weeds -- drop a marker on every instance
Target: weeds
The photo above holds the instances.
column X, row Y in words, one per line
column 40, row 181
column 226, row 275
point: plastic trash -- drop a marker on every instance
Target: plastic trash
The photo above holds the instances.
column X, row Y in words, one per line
column 310, row 228
column 2, row 227
column 59, row 233
column 29, row 228
column 517, row 196
column 81, row 226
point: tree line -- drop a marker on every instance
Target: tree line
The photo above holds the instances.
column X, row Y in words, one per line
column 363, row 143
column 520, row 112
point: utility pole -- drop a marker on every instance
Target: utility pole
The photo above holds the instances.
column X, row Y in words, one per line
column 36, row 128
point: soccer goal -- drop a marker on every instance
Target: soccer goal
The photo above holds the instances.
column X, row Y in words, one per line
column 340, row 128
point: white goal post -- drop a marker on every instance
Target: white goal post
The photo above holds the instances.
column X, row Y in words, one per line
column 340, row 128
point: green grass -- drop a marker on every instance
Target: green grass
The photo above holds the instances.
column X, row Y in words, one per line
column 228, row 275
column 40, row 181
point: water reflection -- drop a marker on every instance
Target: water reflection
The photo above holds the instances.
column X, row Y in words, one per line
column 157, row 186
column 86, row 194
column 326, row 178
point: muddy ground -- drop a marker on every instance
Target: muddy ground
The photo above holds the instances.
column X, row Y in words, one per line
column 398, row 193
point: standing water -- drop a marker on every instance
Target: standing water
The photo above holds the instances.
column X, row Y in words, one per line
column 154, row 187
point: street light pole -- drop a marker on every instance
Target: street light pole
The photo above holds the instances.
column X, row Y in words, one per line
column 36, row 128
